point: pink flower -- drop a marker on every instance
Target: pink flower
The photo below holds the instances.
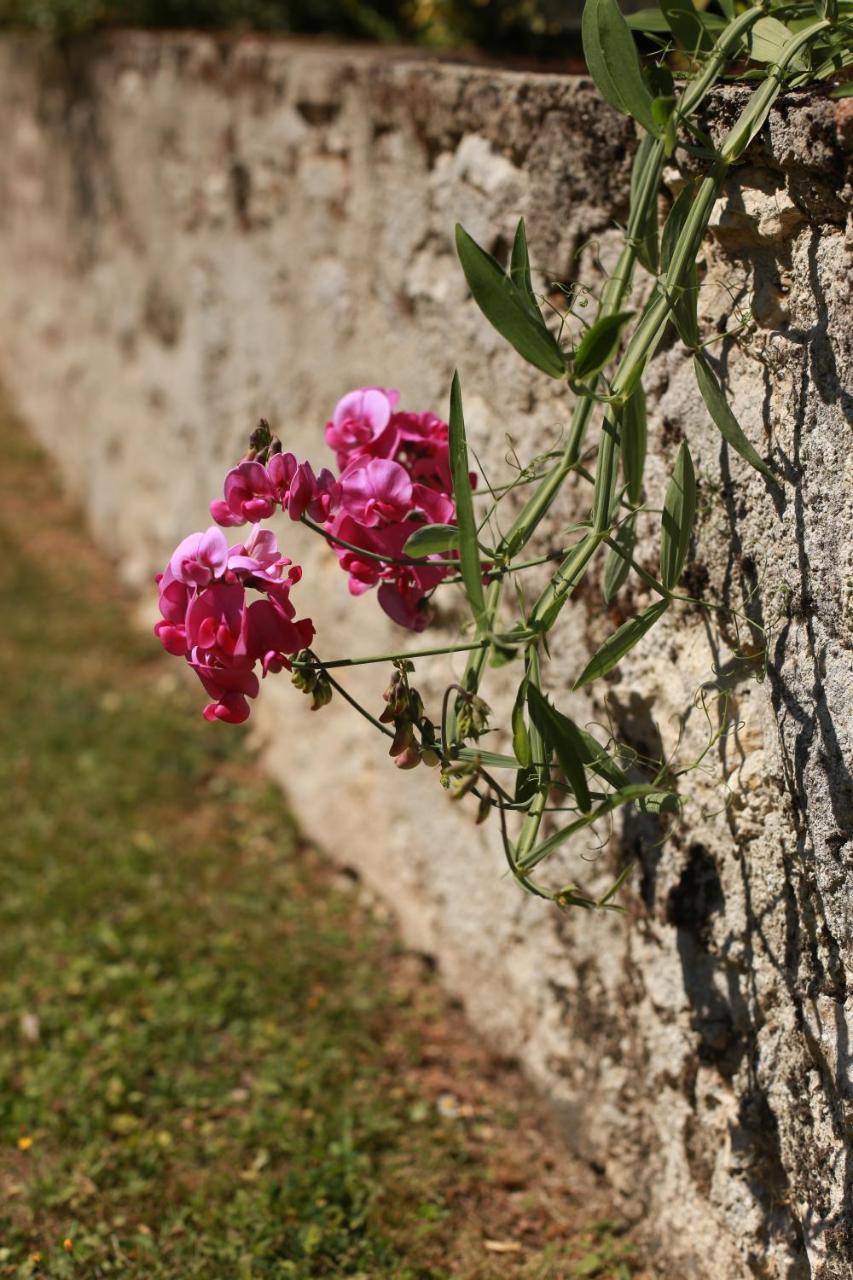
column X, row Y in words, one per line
column 200, row 557
column 273, row 633
column 260, row 558
column 249, row 495
column 281, row 468
column 174, row 597
column 316, row 496
column 359, row 420
column 374, row 490
column 229, row 686
column 208, row 620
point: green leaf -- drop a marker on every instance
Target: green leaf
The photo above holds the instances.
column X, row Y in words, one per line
column 674, row 225
column 563, row 736
column 613, row 61
column 469, row 552
column 431, row 539
column 683, row 296
column 616, row 566
column 666, row 119
column 519, row 267
column 679, row 512
column 842, row 90
column 600, row 762
column 526, row 784
column 602, row 902
column 634, row 432
column 598, row 344
column 653, row 22
column 660, row 802
column 686, row 25
column 647, row 233
column 633, row 792
column 520, row 736
column 768, row 38
column 621, row 642
column 726, row 422
column 507, row 307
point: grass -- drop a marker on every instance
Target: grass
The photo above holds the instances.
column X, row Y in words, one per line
column 215, row 1060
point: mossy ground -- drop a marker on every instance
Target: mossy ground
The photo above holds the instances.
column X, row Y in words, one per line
column 215, row 1060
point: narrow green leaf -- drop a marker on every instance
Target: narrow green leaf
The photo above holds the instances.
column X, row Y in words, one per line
column 621, row 642
column 666, row 119
column 634, row 432
column 660, row 802
column 617, row 884
column 507, row 307
column 520, row 736
column 431, row 539
column 469, row 552
column 674, row 224
column 526, row 784
column 519, row 267
column 679, row 512
column 650, row 21
column 768, row 38
column 653, row 22
column 633, row 792
column 726, row 422
column 683, row 296
column 613, row 61
column 616, row 566
column 541, row 755
column 563, row 736
column 491, row 759
column 598, row 344
column 648, row 251
column 686, row 25
column 842, row 90
column 600, row 762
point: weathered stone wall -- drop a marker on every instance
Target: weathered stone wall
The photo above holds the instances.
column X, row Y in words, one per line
column 193, row 234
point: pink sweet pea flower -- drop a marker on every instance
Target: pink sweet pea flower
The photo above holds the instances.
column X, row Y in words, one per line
column 208, row 620
column 359, row 419
column 174, row 598
column 260, row 560
column 272, row 633
column 375, row 490
column 230, row 686
column 315, row 496
column 404, row 600
column 215, row 620
column 200, row 557
column 281, row 468
column 249, row 495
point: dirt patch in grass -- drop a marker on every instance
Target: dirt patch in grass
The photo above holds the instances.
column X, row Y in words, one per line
column 216, row 1060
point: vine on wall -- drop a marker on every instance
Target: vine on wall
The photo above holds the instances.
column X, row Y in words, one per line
column 404, row 512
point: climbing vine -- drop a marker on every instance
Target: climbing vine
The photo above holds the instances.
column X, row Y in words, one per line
column 405, row 513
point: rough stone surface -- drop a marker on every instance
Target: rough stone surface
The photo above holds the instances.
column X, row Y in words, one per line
column 194, row 233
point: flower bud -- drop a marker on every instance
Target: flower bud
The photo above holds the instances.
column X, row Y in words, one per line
column 261, row 437
column 322, row 691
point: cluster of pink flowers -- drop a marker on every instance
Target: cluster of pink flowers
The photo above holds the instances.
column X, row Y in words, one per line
column 208, row 620
column 394, row 475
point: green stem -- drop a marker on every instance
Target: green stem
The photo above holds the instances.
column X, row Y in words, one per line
column 364, row 554
column 647, row 335
column 347, row 697
column 396, row 657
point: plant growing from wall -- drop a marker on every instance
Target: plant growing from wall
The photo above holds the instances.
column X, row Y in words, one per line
column 404, row 512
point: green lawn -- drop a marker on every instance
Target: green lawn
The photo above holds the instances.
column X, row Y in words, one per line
column 214, row 1062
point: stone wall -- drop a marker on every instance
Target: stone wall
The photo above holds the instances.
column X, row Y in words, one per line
column 195, row 233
